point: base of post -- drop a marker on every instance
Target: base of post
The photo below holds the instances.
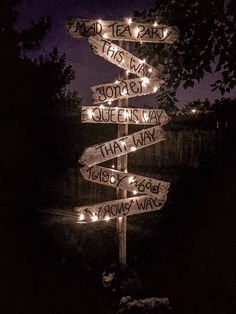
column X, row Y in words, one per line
column 123, row 282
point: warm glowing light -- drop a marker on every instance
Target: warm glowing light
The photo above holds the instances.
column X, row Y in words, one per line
column 81, row 217
column 137, row 121
column 136, row 32
column 112, row 180
column 155, row 24
column 129, row 20
column 90, row 113
column 113, row 166
column 143, row 61
column 145, row 80
column 165, row 32
column 134, row 192
column 107, row 218
column 131, row 179
column 116, row 81
column 120, row 218
column 155, row 89
column 109, row 102
column 94, row 218
column 150, row 70
column 145, row 117
column 100, row 21
column 133, row 149
column 125, row 171
column 193, row 110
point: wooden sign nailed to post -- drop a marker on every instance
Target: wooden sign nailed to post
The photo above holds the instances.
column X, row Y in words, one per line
column 98, row 114
column 120, row 30
column 98, row 153
column 122, row 58
column 124, row 181
column 124, row 89
column 118, row 208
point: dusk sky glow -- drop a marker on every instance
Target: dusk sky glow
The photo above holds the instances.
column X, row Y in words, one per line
column 90, row 69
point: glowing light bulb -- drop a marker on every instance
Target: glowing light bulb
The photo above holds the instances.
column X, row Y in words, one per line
column 193, row 110
column 109, row 102
column 145, row 80
column 90, row 113
column 131, row 179
column 133, row 149
column 94, row 218
column 150, row 70
column 145, row 118
column 81, row 217
column 136, row 32
column 137, row 121
column 165, row 32
column 113, row 166
column 155, row 24
column 112, row 180
column 134, row 192
column 129, row 20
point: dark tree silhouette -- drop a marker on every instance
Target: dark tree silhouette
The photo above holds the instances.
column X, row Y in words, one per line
column 206, row 43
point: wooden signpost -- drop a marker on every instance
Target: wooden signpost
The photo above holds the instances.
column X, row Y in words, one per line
column 99, row 33
column 125, row 181
column 122, row 58
column 124, row 89
column 121, row 146
column 119, row 208
column 122, row 30
column 101, row 114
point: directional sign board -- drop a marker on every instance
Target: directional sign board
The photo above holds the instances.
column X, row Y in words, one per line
column 121, row 146
column 118, row 208
column 101, row 114
column 124, row 181
column 122, row 58
column 120, row 30
column 124, row 89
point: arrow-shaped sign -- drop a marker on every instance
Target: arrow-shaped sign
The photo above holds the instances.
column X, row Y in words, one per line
column 101, row 152
column 118, row 208
column 124, row 181
column 125, row 89
column 122, row 58
column 120, row 30
column 101, row 114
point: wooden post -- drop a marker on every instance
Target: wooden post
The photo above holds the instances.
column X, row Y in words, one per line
column 122, row 165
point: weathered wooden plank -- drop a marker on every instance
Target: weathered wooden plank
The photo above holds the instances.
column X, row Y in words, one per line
column 124, row 89
column 122, row 30
column 101, row 152
column 122, row 58
column 124, row 181
column 98, row 114
column 118, row 208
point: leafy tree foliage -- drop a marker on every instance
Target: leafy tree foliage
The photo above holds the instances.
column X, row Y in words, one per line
column 206, row 38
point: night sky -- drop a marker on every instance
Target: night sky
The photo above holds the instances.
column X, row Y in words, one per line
column 90, row 69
